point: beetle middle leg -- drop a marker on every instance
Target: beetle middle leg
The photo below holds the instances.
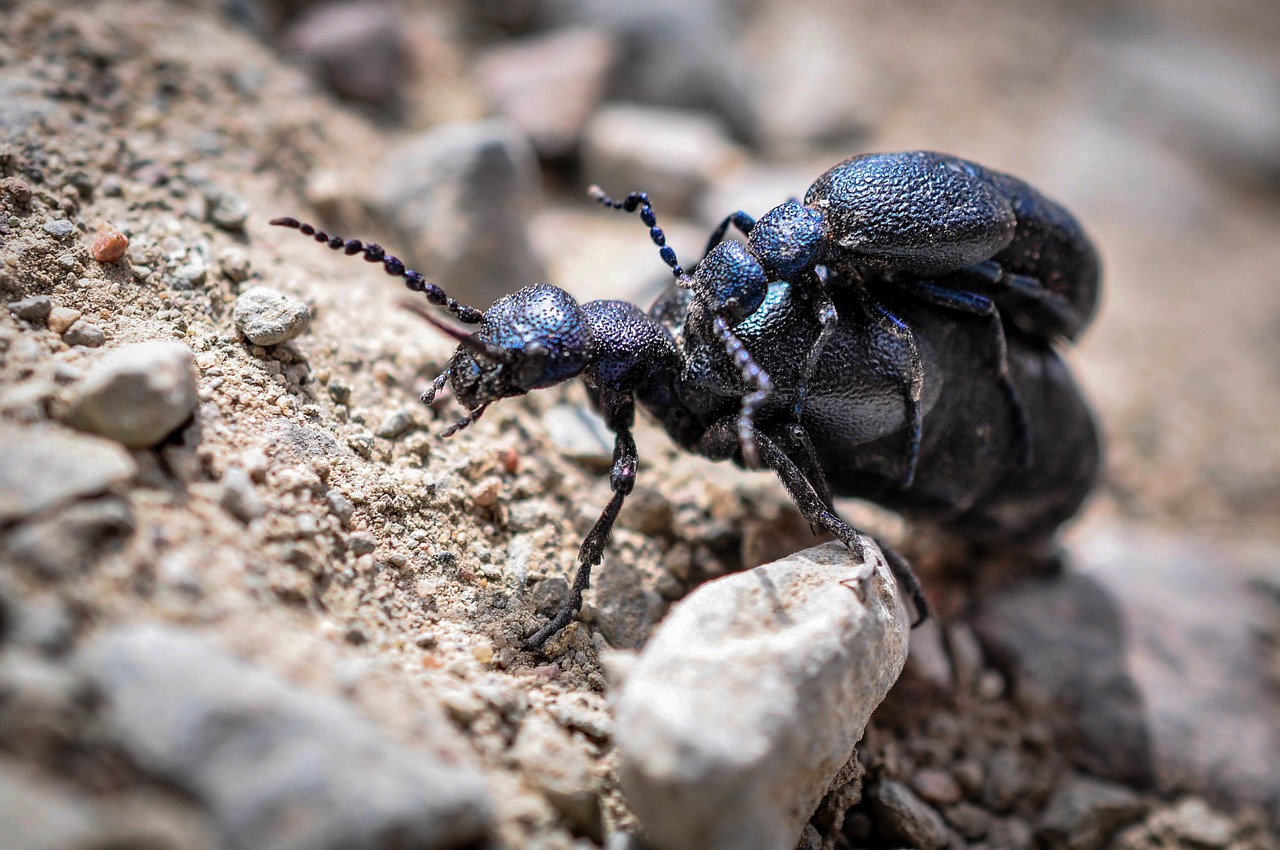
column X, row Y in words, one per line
column 619, row 416
column 819, row 513
column 912, row 383
column 984, row 308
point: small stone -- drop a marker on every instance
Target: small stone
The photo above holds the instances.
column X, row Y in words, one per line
column 1084, row 813
column 1198, row 825
column 562, row 770
column 903, row 817
column 59, row 228
column 548, row 85
column 35, row 309
column 972, row 822
column 579, row 436
column 276, row 765
column 395, row 425
column 61, row 318
column 625, row 608
column 459, row 198
column 85, row 334
column 267, row 317
column 647, row 511
column 340, row 506
column 754, row 690
column 138, row 394
column 239, row 497
column 935, row 786
column 55, row 466
column 110, row 245
column 675, row 166
column 190, row 275
column 225, row 209
column 357, row 48
column 361, row 543
column 70, row 541
column 234, row 264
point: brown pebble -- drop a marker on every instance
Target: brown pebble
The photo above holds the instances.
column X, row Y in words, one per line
column 110, row 245
column 61, row 318
column 510, row 460
column 936, row 787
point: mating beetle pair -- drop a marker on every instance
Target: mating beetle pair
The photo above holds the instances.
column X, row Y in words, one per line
column 815, row 348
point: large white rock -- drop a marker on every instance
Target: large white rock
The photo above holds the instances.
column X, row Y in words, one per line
column 751, row 696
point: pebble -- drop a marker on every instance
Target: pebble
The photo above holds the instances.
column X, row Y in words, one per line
column 1084, row 813
column 275, row 765
column 749, row 698
column 267, row 317
column 55, row 466
column 579, row 435
column 85, row 334
column 110, row 245
column 972, row 822
column 1193, row 629
column 548, row 85
column 239, row 497
column 1063, row 643
column 562, row 769
column 935, row 786
column 357, row 48
column 59, row 228
column 35, row 309
column 190, row 275
column 620, row 150
column 68, row 542
column 901, row 816
column 138, row 394
column 625, row 609
column 395, row 425
column 459, row 199
column 61, row 318
column 225, row 209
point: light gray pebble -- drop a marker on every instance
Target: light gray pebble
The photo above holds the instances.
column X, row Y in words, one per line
column 226, row 209
column 46, row 624
column 579, row 436
column 190, row 275
column 903, row 817
column 138, row 394
column 561, row 769
column 278, row 766
column 55, row 466
column 70, row 541
column 35, row 309
column 268, row 317
column 234, row 264
column 59, row 228
column 340, row 506
column 239, row 496
column 85, row 334
column 395, row 425
column 750, row 696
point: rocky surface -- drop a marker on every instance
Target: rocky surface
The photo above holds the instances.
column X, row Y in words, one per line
column 291, row 524
column 748, row 699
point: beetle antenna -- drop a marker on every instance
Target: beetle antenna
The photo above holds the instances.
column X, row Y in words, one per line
column 495, row 353
column 640, row 201
column 375, row 253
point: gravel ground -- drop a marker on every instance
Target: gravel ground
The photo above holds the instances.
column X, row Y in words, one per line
column 248, row 597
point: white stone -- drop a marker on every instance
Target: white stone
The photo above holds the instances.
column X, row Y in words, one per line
column 751, row 696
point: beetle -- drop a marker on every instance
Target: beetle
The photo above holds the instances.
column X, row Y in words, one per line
column 691, row 369
column 944, row 229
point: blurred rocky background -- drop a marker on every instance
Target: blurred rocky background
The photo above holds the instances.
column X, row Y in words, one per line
column 249, row 599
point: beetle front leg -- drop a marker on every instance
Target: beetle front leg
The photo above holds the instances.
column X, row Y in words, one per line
column 622, row 478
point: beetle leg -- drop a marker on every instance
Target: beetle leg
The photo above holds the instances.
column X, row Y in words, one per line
column 912, row 385
column 983, row 307
column 740, row 220
column 1037, row 309
column 619, row 416
column 756, row 378
column 825, row 313
column 817, row 512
